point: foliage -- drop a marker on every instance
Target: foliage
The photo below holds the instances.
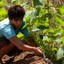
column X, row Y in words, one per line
column 46, row 21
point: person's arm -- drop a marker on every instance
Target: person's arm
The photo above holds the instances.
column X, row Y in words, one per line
column 18, row 43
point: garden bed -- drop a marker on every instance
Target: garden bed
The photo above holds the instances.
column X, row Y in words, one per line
column 16, row 56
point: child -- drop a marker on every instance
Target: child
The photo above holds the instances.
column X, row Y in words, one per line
column 10, row 27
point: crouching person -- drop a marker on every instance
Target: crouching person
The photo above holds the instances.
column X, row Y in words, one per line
column 10, row 27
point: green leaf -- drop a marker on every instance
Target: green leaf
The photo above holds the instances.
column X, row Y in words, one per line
column 63, row 39
column 60, row 52
column 35, row 29
column 24, row 4
column 42, row 27
column 42, row 1
column 51, row 30
column 13, row 1
column 54, row 49
column 25, row 26
column 44, row 17
column 28, row 15
column 37, row 10
column 1, row 3
column 36, row 2
column 58, row 40
column 58, row 19
column 3, row 13
column 48, row 15
column 52, row 36
column 61, row 9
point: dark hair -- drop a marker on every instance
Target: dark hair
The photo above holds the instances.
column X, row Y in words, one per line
column 16, row 12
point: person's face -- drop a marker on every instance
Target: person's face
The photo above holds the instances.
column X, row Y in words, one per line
column 16, row 23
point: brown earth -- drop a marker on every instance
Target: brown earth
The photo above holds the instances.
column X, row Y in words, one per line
column 16, row 56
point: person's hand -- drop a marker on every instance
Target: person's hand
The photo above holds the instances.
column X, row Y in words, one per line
column 39, row 52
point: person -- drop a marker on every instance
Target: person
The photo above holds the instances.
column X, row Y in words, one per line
column 10, row 27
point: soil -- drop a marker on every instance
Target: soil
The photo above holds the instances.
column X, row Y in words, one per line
column 16, row 56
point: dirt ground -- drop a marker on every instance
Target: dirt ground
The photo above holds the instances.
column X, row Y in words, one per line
column 16, row 56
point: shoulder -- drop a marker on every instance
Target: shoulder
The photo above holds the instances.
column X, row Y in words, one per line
column 4, row 23
column 8, row 31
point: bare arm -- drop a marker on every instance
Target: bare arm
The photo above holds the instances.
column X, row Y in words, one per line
column 18, row 43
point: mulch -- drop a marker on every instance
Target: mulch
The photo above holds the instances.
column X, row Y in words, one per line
column 16, row 56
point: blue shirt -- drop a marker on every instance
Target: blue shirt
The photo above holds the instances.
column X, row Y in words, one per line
column 8, row 31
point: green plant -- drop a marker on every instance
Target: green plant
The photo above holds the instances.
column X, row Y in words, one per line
column 46, row 21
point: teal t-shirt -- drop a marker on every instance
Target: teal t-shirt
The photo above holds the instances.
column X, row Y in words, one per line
column 8, row 31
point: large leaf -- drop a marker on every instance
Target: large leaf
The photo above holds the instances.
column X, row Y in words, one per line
column 3, row 13
column 58, row 40
column 36, row 2
column 37, row 10
column 13, row 0
column 35, row 29
column 24, row 4
column 42, row 1
column 61, row 10
column 25, row 26
column 60, row 52
column 42, row 27
column 58, row 19
column 1, row 3
column 28, row 15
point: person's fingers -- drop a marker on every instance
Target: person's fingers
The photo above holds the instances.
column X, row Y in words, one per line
column 40, row 53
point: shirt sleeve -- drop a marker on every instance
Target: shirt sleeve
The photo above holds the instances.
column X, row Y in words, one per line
column 24, row 30
column 8, row 32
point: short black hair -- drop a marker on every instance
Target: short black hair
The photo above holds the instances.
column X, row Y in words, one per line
column 16, row 12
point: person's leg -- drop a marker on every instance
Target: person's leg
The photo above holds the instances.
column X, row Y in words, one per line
column 2, row 44
column 5, row 47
